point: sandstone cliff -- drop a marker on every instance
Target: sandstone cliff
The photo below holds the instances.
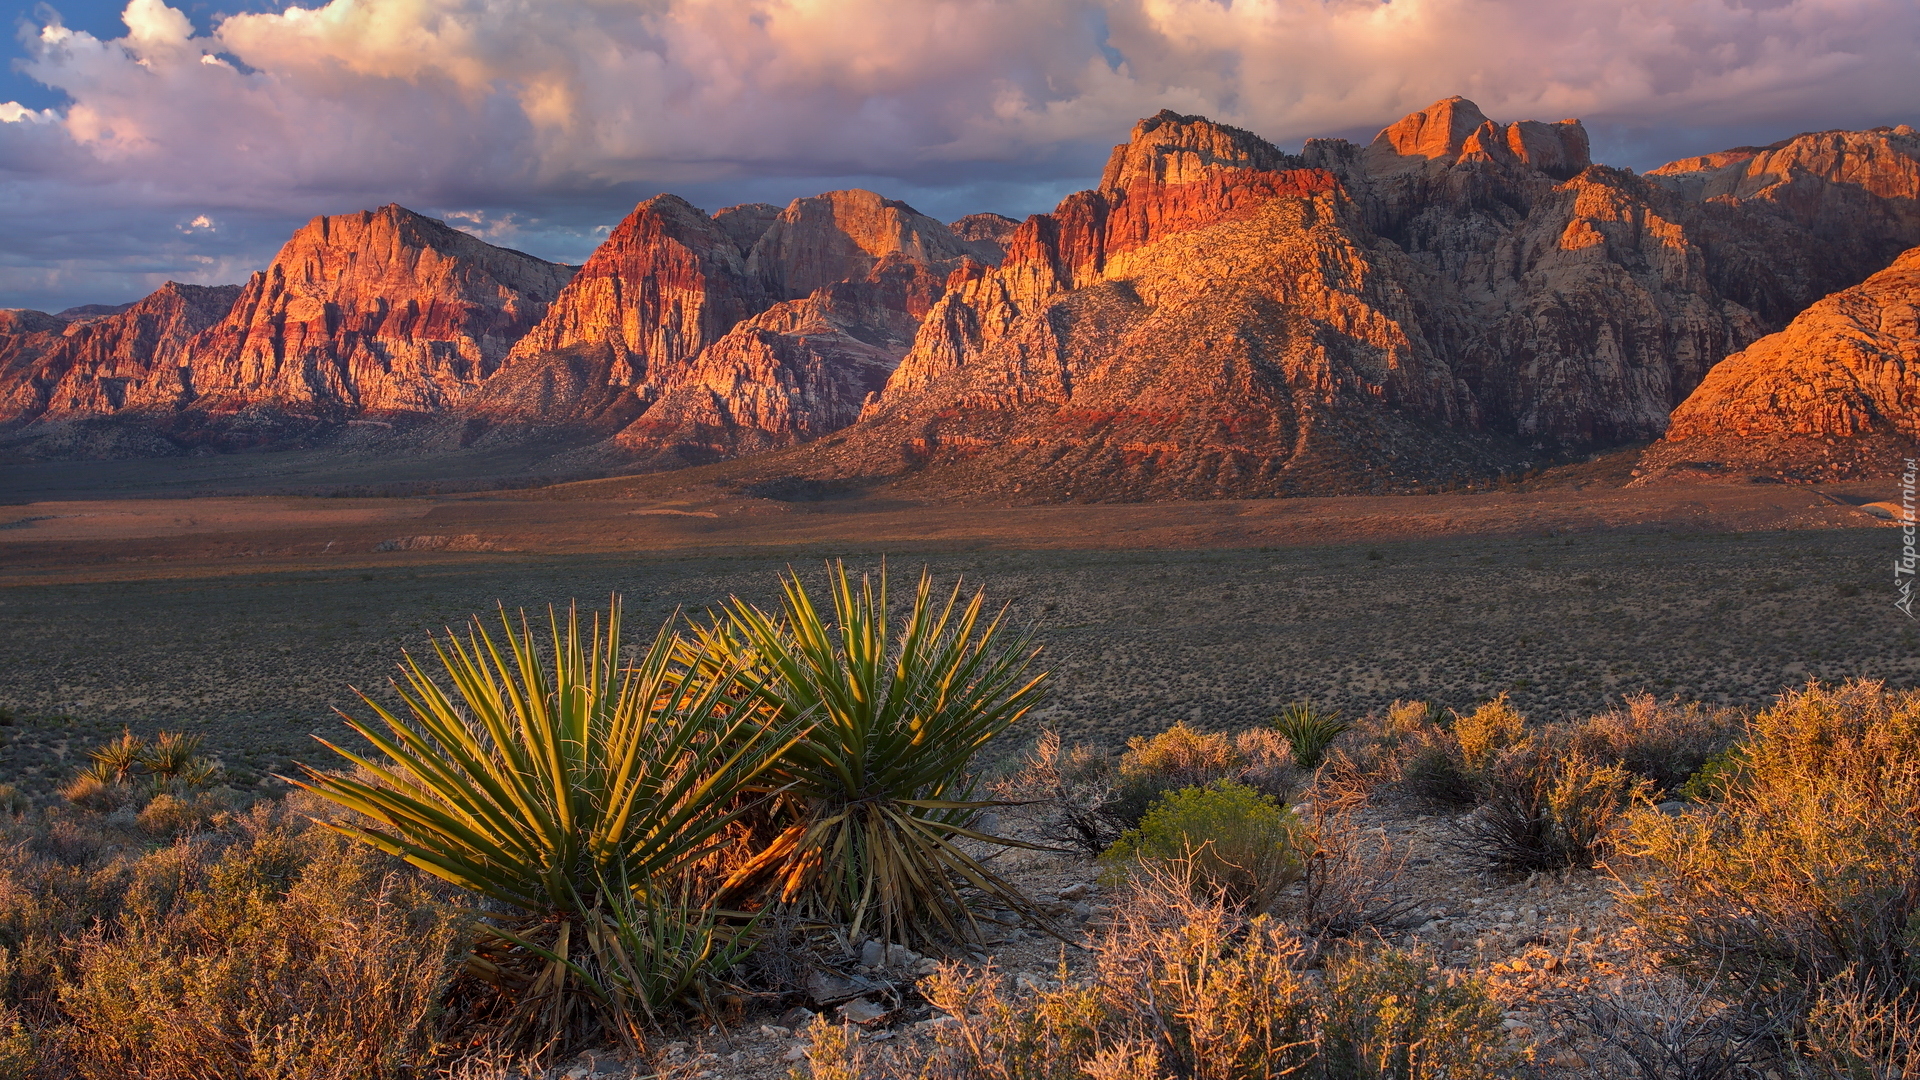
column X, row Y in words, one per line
column 697, row 338
column 1836, row 395
column 666, row 282
column 841, row 235
column 1215, row 319
column 379, row 311
column 1459, row 296
column 98, row 363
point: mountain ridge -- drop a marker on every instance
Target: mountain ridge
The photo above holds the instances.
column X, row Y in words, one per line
column 1456, row 299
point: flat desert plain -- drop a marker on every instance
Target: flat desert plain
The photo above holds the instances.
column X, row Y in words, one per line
column 250, row 619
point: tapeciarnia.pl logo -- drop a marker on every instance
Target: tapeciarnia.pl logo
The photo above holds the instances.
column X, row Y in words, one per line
column 1903, row 566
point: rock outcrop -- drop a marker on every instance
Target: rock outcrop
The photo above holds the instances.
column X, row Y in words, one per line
column 1835, row 395
column 667, row 281
column 1214, row 319
column 988, row 233
column 698, row 338
column 380, row 311
column 842, row 235
column 1460, row 296
column 133, row 355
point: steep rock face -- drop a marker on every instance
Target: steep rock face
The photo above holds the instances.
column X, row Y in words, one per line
column 986, row 232
column 681, row 332
column 797, row 371
column 1569, row 297
column 841, row 235
column 746, row 223
column 1817, row 399
column 134, row 354
column 667, row 281
column 1784, row 225
column 382, row 311
column 25, row 336
column 1214, row 320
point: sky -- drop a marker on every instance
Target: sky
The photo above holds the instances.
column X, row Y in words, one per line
column 142, row 142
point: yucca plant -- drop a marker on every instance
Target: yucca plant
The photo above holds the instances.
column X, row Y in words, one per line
column 578, row 791
column 876, row 802
column 1309, row 731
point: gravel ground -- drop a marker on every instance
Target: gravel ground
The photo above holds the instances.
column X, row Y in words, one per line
column 1136, row 639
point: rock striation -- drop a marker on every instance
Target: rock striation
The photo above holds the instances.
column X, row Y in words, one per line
column 1457, row 297
column 1835, row 395
column 687, row 338
column 130, row 356
column 383, row 311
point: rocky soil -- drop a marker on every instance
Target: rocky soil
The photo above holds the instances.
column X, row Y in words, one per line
column 1529, row 937
column 255, row 661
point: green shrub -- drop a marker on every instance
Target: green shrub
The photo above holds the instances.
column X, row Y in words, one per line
column 1715, row 776
column 1806, row 870
column 1309, row 731
column 1230, row 837
column 875, row 794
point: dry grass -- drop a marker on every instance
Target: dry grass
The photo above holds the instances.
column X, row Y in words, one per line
column 1187, row 985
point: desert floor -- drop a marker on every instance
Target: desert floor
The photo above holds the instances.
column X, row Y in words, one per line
column 249, row 619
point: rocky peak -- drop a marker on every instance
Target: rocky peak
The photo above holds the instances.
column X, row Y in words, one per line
column 382, row 309
column 668, row 281
column 986, row 231
column 1844, row 374
column 1168, row 148
column 1438, row 132
column 841, row 235
column 746, row 223
column 100, row 364
column 1884, row 162
column 17, row 321
column 1453, row 131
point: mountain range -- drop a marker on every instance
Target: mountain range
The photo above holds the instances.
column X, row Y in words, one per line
column 1457, row 300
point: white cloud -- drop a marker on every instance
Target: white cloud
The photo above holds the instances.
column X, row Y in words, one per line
column 509, row 103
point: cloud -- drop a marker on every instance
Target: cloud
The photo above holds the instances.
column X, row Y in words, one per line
column 546, row 119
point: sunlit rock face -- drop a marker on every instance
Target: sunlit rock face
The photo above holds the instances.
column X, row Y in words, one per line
column 133, row 358
column 1457, row 297
column 379, row 311
column 689, row 338
column 1835, row 395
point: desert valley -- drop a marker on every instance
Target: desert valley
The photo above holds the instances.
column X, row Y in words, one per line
column 1515, row 536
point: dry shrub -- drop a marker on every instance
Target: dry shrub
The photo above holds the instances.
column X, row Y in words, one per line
column 1267, row 763
column 1187, row 986
column 1807, row 870
column 1352, row 876
column 288, row 955
column 1649, row 1026
column 1180, row 757
column 1071, row 787
column 1666, row 742
column 1184, row 756
column 1856, row 1033
column 57, row 881
column 1545, row 806
column 1487, row 731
